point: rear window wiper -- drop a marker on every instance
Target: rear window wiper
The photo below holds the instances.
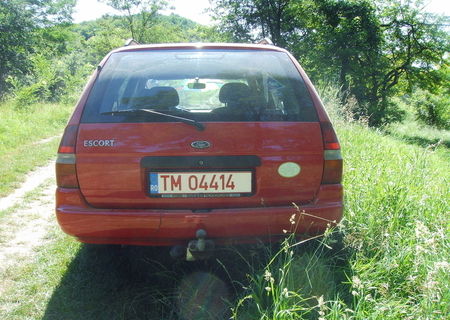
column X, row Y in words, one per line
column 198, row 125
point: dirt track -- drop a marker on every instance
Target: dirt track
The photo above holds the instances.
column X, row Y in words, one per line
column 29, row 215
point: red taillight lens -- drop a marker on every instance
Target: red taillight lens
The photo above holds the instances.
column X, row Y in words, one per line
column 332, row 164
column 68, row 140
column 66, row 174
column 330, row 141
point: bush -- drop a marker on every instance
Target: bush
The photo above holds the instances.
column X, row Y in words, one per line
column 343, row 105
column 51, row 80
column 432, row 109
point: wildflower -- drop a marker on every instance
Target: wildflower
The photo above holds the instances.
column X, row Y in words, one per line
column 421, row 230
column 285, row 231
column 321, row 306
column 444, row 265
column 292, row 219
column 320, row 302
column 368, row 297
column 347, row 310
column 430, row 241
column 268, row 276
column 411, row 278
column 285, row 293
column 357, row 283
column 419, row 249
column 384, row 288
column 430, row 284
column 268, row 289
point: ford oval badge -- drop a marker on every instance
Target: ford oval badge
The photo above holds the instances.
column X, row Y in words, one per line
column 200, row 144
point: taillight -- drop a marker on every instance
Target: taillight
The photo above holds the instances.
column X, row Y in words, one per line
column 68, row 140
column 332, row 164
column 66, row 174
column 330, row 141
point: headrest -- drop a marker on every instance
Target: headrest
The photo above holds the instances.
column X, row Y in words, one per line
column 233, row 92
column 158, row 97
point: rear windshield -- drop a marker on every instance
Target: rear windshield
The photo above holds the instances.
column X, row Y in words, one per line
column 203, row 85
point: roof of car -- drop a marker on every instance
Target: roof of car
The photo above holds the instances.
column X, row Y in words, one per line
column 175, row 46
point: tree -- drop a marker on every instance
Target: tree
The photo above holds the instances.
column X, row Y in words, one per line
column 249, row 20
column 19, row 20
column 351, row 43
column 414, row 45
column 140, row 14
column 15, row 26
column 374, row 50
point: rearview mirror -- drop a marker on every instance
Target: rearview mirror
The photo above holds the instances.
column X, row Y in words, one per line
column 196, row 85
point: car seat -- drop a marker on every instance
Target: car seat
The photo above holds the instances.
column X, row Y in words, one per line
column 158, row 98
column 238, row 100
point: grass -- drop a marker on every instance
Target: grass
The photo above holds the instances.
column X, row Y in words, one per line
column 415, row 132
column 389, row 259
column 396, row 223
column 20, row 134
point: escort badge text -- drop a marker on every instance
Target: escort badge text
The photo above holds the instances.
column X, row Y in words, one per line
column 99, row 143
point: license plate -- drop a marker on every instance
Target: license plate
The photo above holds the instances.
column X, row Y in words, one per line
column 230, row 183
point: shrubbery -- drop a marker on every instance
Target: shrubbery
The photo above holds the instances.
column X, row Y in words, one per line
column 49, row 80
column 432, row 109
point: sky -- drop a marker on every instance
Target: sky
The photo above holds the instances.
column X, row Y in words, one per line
column 86, row 10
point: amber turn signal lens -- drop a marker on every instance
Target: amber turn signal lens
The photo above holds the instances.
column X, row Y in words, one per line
column 332, row 171
column 66, row 174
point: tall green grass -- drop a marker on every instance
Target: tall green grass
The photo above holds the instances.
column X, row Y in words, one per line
column 21, row 130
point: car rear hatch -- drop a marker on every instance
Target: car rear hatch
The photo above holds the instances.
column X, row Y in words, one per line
column 118, row 175
column 247, row 133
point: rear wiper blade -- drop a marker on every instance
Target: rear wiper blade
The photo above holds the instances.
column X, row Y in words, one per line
column 198, row 125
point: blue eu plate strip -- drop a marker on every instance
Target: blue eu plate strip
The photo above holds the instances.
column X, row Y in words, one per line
column 154, row 188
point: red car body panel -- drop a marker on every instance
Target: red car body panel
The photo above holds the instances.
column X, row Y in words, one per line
column 175, row 227
column 112, row 205
column 103, row 170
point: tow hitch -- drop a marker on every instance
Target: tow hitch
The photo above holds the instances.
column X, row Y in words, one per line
column 201, row 248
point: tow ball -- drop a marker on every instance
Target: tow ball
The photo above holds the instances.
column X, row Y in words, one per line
column 201, row 248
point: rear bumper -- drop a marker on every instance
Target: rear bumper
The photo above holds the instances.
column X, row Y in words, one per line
column 173, row 227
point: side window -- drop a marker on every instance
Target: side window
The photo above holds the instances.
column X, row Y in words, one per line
column 124, row 90
column 121, row 101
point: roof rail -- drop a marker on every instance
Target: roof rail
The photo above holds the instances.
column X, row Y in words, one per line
column 266, row 40
column 130, row 42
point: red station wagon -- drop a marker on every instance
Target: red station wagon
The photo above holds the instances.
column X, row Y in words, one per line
column 197, row 145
